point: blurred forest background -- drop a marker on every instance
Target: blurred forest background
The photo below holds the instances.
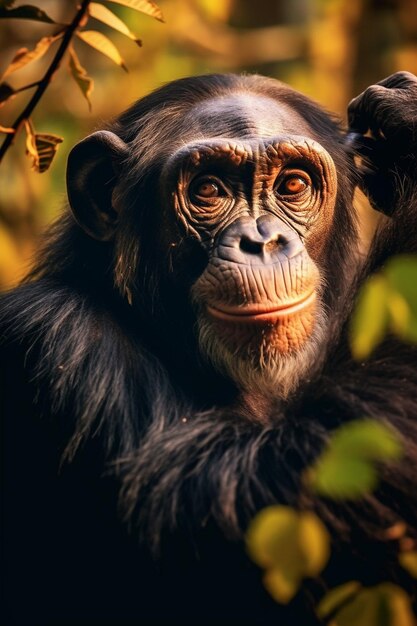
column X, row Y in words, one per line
column 329, row 49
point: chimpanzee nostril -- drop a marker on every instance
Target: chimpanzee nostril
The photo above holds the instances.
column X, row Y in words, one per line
column 257, row 246
column 278, row 243
column 263, row 240
column 250, row 246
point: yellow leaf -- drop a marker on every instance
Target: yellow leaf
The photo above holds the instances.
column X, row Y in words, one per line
column 103, row 14
column 144, row 6
column 272, row 537
column 290, row 545
column 7, row 130
column 280, row 586
column 315, row 543
column 337, row 597
column 25, row 56
column 30, row 140
column 85, row 83
column 409, row 562
column 384, row 604
column 100, row 42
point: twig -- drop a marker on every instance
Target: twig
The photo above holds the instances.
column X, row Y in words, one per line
column 30, row 86
column 44, row 82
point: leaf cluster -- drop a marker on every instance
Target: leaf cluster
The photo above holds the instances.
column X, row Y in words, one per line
column 387, row 304
column 41, row 147
column 291, row 545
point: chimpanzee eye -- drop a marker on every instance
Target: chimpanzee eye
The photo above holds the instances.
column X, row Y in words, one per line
column 293, row 183
column 206, row 188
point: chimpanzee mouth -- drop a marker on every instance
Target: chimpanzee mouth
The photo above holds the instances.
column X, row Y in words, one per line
column 255, row 313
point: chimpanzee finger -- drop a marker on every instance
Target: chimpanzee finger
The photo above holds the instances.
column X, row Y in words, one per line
column 399, row 80
column 365, row 110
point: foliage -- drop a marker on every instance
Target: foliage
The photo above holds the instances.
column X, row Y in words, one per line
column 347, row 469
column 41, row 147
column 351, row 605
column 291, row 545
column 387, row 303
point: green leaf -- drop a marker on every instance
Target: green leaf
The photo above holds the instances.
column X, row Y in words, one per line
column 343, row 479
column 346, row 468
column 367, row 438
column 103, row 14
column 408, row 561
column 401, row 273
column 335, row 598
column 24, row 56
column 26, row 12
column 370, row 319
column 143, row 6
column 6, row 92
column 383, row 605
column 290, row 546
column 100, row 42
column 85, row 83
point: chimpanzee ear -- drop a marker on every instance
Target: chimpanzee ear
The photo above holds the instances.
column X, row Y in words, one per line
column 91, row 177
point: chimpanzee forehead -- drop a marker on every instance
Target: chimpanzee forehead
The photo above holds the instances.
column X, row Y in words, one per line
column 247, row 114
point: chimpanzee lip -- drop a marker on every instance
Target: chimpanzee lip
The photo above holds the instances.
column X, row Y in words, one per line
column 257, row 313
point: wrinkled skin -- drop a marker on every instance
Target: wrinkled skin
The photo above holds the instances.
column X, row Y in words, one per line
column 261, row 208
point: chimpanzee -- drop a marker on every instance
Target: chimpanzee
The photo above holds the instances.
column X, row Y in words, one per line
column 179, row 355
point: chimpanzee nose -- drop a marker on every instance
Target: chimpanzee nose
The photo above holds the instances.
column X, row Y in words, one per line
column 248, row 240
column 266, row 235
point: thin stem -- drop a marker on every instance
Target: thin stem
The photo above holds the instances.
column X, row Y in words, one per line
column 44, row 82
column 35, row 84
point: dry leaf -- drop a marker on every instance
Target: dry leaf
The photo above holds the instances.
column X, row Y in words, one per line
column 41, row 147
column 103, row 44
column 26, row 12
column 103, row 14
column 24, row 56
column 7, row 130
column 85, row 83
column 144, row 6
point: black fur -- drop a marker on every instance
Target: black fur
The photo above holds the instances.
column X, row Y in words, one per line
column 111, row 414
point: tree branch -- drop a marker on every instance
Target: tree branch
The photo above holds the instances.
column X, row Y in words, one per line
column 44, row 82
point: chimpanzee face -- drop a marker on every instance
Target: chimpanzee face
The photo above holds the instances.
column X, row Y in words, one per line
column 245, row 179
column 259, row 202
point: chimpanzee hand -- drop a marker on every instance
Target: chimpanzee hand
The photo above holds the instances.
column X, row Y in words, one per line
column 388, row 110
